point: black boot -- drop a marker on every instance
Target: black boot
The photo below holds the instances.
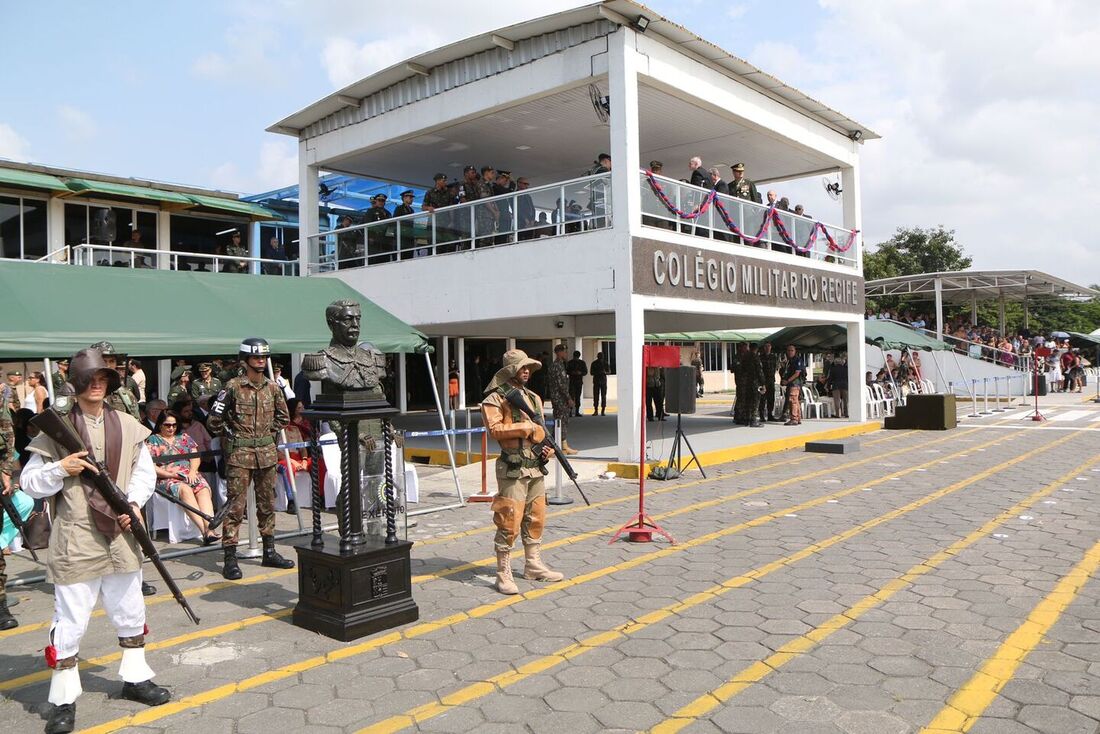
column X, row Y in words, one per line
column 291, row 508
column 148, row 589
column 7, row 622
column 146, row 692
column 62, row 719
column 272, row 557
column 230, row 569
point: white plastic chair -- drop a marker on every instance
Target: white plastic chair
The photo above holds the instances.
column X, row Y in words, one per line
column 874, row 408
column 331, row 452
column 165, row 515
column 887, row 401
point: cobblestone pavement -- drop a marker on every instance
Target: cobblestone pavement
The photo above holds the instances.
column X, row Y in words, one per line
column 932, row 581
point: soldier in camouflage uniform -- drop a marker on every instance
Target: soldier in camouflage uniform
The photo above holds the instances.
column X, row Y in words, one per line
column 206, row 385
column 248, row 414
column 229, row 371
column 235, row 249
column 181, row 385
column 7, row 460
column 769, row 363
column 752, row 381
column 557, row 387
column 519, row 508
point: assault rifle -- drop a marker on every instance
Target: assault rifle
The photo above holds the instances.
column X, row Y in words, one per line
column 51, row 423
column 515, row 397
column 17, row 521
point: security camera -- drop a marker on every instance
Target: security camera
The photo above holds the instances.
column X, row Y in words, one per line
column 559, row 324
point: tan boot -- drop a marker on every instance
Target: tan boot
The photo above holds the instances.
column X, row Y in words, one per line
column 567, row 449
column 533, row 567
column 505, row 583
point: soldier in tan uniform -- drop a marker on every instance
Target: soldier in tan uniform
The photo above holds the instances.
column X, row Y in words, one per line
column 248, row 413
column 519, row 508
column 92, row 553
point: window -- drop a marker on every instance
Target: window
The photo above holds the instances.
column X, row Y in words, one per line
column 608, row 349
column 22, row 228
column 712, row 356
column 206, row 236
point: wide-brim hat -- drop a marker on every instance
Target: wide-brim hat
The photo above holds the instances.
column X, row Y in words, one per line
column 86, row 364
column 514, row 361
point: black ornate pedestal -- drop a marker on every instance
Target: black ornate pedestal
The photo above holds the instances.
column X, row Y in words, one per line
column 364, row 585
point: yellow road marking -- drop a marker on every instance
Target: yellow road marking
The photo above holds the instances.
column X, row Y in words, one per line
column 967, row 705
column 503, row 680
column 424, row 628
column 491, row 560
column 802, row 644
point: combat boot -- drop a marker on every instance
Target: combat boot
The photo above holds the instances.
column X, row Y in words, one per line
column 505, row 583
column 533, row 567
column 7, row 621
column 272, row 558
column 567, row 449
column 62, row 719
column 231, row 570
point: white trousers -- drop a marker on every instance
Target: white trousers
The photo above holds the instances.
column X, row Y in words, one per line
column 73, row 605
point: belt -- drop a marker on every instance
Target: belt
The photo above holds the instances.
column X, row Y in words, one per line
column 522, row 457
column 251, row 443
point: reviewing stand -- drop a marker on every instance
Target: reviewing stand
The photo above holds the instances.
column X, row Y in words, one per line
column 364, row 585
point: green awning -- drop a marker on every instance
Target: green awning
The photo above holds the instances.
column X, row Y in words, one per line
column 85, row 186
column 833, row 337
column 236, row 206
column 1083, row 341
column 888, row 335
column 31, row 180
column 54, row 310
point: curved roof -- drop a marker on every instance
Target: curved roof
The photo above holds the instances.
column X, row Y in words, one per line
column 961, row 286
column 622, row 12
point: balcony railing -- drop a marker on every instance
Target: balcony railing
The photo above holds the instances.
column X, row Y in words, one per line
column 132, row 257
column 673, row 205
column 567, row 207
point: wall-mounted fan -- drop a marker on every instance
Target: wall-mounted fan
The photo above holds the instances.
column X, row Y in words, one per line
column 601, row 103
column 832, row 188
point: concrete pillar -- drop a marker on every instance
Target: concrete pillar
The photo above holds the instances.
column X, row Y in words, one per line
column 442, row 367
column 460, row 360
column 939, row 309
column 164, row 240
column 725, row 366
column 55, row 224
column 402, row 384
column 857, row 365
column 308, row 203
column 164, row 377
column 588, row 348
column 510, row 344
column 1001, row 313
column 974, row 309
column 853, row 210
column 629, row 339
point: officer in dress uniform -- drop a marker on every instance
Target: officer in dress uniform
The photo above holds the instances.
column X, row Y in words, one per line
column 437, row 197
column 248, row 413
column 519, row 508
column 181, row 384
column 92, row 553
column 406, row 227
column 379, row 240
column 61, row 376
column 206, row 384
column 741, row 187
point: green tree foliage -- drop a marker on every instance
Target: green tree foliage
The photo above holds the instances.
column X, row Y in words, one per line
column 912, row 251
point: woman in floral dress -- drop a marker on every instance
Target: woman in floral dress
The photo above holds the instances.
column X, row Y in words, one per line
column 181, row 478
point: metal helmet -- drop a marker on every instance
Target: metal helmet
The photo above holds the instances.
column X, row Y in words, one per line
column 254, row 346
column 105, row 348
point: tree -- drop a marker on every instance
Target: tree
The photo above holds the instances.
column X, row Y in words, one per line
column 912, row 251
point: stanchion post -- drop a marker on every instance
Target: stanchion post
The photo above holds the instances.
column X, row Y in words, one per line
column 469, row 436
column 985, row 396
column 253, row 549
column 974, row 398
column 558, row 498
column 997, row 395
column 483, row 495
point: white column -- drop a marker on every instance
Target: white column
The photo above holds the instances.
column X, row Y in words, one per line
column 626, row 218
column 510, row 344
column 164, row 376
column 460, row 360
column 588, row 348
column 939, row 309
column 443, row 366
column 254, row 248
column 401, row 384
column 629, row 336
column 164, row 240
column 725, row 365
column 857, row 365
column 308, row 203
column 974, row 309
column 55, row 224
column 853, row 208
column 1001, row 313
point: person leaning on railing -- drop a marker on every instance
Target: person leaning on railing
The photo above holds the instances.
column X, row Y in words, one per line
column 438, row 197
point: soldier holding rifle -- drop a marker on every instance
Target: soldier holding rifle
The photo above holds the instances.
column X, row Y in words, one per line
column 93, row 552
column 519, row 508
column 7, row 454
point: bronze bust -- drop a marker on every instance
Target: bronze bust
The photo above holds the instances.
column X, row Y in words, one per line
column 346, row 365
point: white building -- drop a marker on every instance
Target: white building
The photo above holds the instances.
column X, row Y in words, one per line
column 544, row 98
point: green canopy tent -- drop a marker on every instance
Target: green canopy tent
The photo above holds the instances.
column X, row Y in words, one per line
column 820, row 338
column 1088, row 342
column 53, row 311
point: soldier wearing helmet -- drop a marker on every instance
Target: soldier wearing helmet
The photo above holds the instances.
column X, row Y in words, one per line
column 247, row 414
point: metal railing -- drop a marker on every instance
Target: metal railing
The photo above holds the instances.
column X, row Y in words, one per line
column 566, row 207
column 138, row 258
column 748, row 216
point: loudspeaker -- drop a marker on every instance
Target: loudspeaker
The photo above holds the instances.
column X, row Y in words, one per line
column 680, row 389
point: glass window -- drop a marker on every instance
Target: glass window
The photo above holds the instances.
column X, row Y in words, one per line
column 147, row 225
column 10, row 230
column 207, row 237
column 35, row 241
column 608, row 349
column 76, row 224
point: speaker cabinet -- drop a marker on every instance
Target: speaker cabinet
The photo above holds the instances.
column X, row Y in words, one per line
column 680, row 389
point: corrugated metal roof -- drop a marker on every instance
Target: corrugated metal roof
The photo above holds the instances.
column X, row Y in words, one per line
column 481, row 56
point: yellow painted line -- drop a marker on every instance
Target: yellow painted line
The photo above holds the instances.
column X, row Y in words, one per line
column 800, row 645
column 738, row 453
column 576, row 649
column 694, row 507
column 967, row 705
column 424, row 628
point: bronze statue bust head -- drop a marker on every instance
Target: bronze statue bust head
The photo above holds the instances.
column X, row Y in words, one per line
column 346, row 365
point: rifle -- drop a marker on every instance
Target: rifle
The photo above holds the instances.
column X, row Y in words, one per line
column 60, row 430
column 212, row 520
column 17, row 521
column 515, row 397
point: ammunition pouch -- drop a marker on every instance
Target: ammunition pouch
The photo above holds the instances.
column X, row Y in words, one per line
column 516, row 460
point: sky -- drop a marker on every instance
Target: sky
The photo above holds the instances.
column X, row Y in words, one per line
column 988, row 108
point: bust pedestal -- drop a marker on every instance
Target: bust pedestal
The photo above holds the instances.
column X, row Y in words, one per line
column 362, row 585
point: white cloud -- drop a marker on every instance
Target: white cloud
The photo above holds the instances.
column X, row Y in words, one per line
column 211, row 65
column 13, row 146
column 275, row 166
column 77, row 125
column 346, row 62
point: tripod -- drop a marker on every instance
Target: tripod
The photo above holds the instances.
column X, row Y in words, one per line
column 675, row 457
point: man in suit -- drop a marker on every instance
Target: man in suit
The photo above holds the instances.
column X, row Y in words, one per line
column 698, row 173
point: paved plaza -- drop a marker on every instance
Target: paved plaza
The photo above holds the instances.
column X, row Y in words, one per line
column 930, row 582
